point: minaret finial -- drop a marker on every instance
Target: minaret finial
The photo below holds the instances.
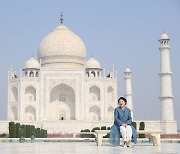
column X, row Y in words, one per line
column 61, row 17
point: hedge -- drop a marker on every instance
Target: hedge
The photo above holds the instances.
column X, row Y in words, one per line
column 141, row 127
column 16, row 131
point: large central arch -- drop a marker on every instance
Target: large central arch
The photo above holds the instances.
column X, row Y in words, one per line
column 62, row 103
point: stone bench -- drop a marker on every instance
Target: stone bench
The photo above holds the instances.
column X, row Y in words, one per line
column 154, row 135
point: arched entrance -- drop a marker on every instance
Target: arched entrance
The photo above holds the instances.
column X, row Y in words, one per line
column 62, row 103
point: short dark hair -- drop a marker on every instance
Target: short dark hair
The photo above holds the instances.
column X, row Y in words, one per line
column 124, row 99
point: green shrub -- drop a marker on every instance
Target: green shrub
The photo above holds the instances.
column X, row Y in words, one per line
column 134, row 124
column 95, row 128
column 32, row 128
column 42, row 133
column 23, row 130
column 103, row 127
column 26, row 131
column 38, row 133
column 85, row 135
column 12, row 130
column 45, row 133
column 3, row 135
column 141, row 127
column 18, row 130
column 108, row 135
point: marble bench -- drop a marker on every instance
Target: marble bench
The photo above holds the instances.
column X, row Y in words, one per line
column 154, row 135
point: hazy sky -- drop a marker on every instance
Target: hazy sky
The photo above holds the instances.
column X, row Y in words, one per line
column 119, row 32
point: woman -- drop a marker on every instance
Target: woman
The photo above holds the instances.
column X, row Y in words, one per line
column 122, row 125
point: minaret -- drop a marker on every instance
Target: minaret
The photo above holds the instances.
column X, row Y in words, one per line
column 166, row 97
column 128, row 89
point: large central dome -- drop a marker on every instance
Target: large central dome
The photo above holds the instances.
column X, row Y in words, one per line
column 63, row 48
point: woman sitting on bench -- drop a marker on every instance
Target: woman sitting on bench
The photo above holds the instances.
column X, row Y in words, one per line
column 122, row 125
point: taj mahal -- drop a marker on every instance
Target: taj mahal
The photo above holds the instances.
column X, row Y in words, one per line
column 61, row 85
column 63, row 91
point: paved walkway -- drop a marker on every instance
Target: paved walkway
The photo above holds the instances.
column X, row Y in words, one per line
column 85, row 148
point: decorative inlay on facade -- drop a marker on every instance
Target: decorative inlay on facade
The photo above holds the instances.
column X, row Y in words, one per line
column 55, row 82
column 63, row 59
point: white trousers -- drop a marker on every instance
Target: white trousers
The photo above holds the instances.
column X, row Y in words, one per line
column 126, row 133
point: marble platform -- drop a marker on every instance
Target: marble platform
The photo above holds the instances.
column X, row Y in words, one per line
column 85, row 148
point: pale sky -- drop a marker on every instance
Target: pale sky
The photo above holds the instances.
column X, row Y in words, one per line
column 119, row 32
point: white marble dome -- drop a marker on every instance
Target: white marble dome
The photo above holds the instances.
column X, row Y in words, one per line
column 62, row 46
column 31, row 63
column 164, row 36
column 127, row 70
column 93, row 63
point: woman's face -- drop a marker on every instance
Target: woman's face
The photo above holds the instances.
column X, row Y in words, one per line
column 122, row 103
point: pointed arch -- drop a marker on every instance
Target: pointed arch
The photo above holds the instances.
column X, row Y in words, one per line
column 31, row 74
column 30, row 93
column 37, row 74
column 62, row 103
column 87, row 74
column 110, row 113
column 14, row 94
column 26, row 74
column 94, row 94
column 94, row 113
column 14, row 113
column 30, row 113
column 92, row 74
column 110, row 94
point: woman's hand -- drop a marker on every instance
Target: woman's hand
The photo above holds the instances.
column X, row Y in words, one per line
column 124, row 124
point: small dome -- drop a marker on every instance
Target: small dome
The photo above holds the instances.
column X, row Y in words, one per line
column 127, row 70
column 164, row 36
column 62, row 46
column 32, row 63
column 93, row 63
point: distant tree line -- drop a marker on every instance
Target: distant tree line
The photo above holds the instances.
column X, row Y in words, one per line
column 16, row 130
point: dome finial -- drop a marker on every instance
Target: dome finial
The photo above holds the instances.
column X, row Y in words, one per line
column 61, row 17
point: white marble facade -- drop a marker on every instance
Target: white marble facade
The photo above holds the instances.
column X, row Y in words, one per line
column 62, row 84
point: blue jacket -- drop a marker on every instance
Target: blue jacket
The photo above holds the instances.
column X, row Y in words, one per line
column 120, row 117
